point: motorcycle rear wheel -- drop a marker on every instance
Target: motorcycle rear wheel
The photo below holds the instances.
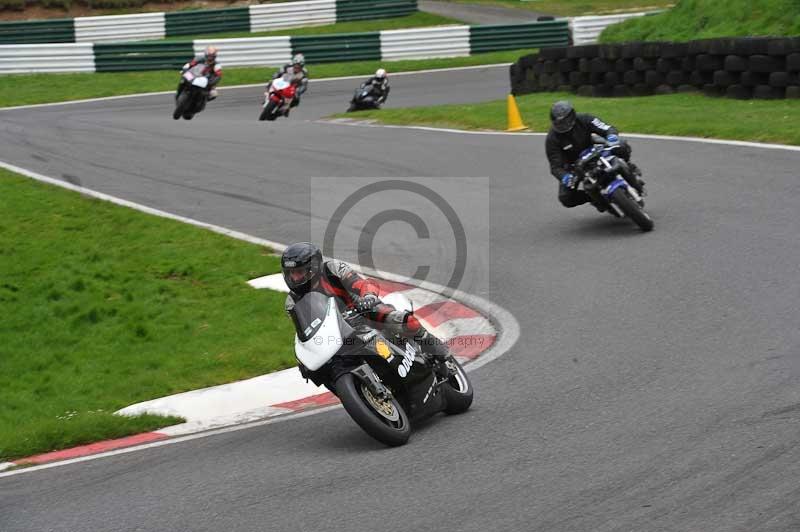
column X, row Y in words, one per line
column 269, row 111
column 632, row 210
column 180, row 105
column 458, row 391
column 385, row 420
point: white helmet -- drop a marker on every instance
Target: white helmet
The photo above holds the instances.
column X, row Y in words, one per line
column 380, row 73
column 298, row 59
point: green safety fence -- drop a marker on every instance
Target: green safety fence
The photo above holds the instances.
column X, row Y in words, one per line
column 367, row 9
column 339, row 47
column 207, row 21
column 142, row 56
column 37, row 31
column 514, row 36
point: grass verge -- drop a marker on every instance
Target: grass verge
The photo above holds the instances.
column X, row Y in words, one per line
column 575, row 8
column 416, row 20
column 25, row 89
column 104, row 306
column 706, row 19
column 756, row 120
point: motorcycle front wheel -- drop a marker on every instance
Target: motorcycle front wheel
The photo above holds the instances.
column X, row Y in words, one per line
column 269, row 111
column 180, row 105
column 383, row 419
column 631, row 209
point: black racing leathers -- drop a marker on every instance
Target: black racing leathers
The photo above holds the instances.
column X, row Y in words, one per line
column 564, row 149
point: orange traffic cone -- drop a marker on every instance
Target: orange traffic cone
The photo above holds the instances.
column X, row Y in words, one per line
column 514, row 118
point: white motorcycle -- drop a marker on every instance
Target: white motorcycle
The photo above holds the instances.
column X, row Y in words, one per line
column 383, row 382
column 193, row 93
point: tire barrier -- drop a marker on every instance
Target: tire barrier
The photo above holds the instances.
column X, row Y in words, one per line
column 742, row 68
column 258, row 17
column 440, row 41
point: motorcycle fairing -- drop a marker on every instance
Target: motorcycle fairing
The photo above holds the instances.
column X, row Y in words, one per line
column 322, row 337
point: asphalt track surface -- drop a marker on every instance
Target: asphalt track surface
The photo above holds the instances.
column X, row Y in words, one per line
column 656, row 385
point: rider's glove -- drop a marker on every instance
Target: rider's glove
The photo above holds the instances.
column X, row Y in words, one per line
column 367, row 303
column 612, row 140
column 185, row 68
column 568, row 180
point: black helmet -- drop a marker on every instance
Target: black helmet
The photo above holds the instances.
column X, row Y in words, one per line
column 301, row 264
column 562, row 115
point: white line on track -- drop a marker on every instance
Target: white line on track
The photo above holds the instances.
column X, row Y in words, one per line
column 223, row 89
column 507, row 326
column 740, row 143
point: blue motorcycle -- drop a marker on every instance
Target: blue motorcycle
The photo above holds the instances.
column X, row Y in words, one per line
column 609, row 182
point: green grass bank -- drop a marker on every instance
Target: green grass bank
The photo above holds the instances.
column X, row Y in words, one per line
column 756, row 120
column 104, row 306
column 705, row 19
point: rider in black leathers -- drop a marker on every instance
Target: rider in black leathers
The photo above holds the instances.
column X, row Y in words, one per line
column 304, row 270
column 570, row 134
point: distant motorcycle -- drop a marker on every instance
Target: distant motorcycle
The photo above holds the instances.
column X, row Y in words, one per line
column 384, row 383
column 277, row 98
column 365, row 97
column 601, row 174
column 193, row 93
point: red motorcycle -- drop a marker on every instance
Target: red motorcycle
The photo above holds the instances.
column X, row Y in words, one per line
column 277, row 98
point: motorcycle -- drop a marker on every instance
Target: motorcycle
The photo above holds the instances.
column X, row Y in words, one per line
column 383, row 383
column 604, row 177
column 364, row 98
column 277, row 98
column 193, row 93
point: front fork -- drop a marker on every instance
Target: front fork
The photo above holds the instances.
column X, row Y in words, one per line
column 365, row 374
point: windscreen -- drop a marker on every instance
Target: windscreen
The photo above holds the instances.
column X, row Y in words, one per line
column 198, row 69
column 308, row 314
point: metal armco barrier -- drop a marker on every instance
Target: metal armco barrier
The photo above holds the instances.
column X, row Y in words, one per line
column 37, row 31
column 340, row 47
column 120, row 28
column 22, row 58
column 241, row 52
column 586, row 30
column 514, row 36
column 207, row 21
column 442, row 41
column 425, row 43
column 743, row 68
column 359, row 9
column 265, row 17
column 262, row 17
column 141, row 56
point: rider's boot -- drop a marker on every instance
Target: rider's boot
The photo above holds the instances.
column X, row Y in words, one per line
column 432, row 345
column 638, row 182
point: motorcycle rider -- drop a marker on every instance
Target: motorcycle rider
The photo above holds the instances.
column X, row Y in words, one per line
column 304, row 270
column 212, row 70
column 299, row 77
column 379, row 84
column 570, row 134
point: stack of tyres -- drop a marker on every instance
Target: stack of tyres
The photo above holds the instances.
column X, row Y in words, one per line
column 743, row 68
